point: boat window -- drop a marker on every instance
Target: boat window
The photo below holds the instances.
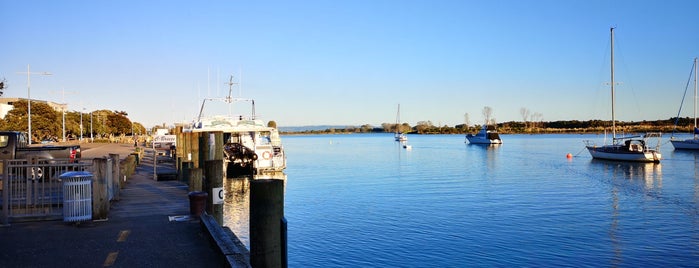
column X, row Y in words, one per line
column 265, row 138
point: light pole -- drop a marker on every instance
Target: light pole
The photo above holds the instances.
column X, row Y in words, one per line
column 91, row 138
column 63, row 101
column 81, row 125
column 29, row 98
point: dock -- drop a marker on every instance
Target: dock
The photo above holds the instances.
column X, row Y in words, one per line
column 149, row 226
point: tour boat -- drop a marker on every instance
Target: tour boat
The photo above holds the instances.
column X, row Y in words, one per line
column 634, row 148
column 689, row 144
column 250, row 146
column 487, row 135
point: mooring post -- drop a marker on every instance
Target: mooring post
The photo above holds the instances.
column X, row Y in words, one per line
column 196, row 180
column 266, row 216
column 214, row 180
column 100, row 194
column 116, row 178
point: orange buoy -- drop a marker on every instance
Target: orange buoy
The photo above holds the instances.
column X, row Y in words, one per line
column 569, row 156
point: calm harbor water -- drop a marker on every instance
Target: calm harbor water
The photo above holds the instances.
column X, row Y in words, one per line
column 364, row 201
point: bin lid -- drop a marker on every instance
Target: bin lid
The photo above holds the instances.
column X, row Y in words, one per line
column 76, row 174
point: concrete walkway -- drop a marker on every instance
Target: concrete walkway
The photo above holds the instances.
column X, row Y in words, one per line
column 139, row 232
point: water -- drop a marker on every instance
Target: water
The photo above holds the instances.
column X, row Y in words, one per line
column 364, row 201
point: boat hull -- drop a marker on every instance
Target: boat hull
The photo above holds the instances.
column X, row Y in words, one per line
column 479, row 140
column 692, row 144
column 617, row 154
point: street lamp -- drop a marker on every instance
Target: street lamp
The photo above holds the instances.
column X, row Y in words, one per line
column 29, row 98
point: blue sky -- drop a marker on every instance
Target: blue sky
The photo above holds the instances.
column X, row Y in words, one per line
column 352, row 62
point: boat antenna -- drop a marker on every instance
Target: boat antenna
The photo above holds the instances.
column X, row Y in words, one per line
column 230, row 84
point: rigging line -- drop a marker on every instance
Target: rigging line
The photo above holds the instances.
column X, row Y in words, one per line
column 626, row 70
column 677, row 119
column 583, row 149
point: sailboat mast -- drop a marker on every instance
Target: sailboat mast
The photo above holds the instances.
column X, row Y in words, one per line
column 695, row 97
column 611, row 30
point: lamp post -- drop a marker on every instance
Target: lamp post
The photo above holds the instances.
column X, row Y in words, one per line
column 63, row 109
column 81, row 124
column 91, row 138
column 29, row 98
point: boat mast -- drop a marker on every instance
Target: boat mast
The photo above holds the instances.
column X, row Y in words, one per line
column 611, row 30
column 398, row 119
column 695, row 98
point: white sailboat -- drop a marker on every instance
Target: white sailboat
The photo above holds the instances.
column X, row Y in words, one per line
column 399, row 136
column 624, row 148
column 689, row 144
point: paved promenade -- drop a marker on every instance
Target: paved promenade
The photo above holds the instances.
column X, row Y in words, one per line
column 139, row 231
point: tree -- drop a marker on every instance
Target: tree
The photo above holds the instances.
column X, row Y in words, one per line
column 525, row 115
column 119, row 124
column 46, row 122
column 487, row 114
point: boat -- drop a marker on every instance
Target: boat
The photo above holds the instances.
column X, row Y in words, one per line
column 689, row 144
column 629, row 148
column 487, row 135
column 398, row 135
column 250, row 146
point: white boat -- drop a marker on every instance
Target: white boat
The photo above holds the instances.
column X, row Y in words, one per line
column 634, row 148
column 487, row 135
column 689, row 144
column 399, row 136
column 250, row 146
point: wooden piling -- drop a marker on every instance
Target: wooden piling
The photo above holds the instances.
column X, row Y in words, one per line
column 196, row 180
column 213, row 171
column 100, row 193
column 116, row 181
column 266, row 215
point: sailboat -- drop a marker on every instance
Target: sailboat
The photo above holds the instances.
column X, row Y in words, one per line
column 399, row 136
column 689, row 144
column 624, row 148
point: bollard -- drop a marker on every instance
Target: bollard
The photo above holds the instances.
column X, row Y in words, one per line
column 266, row 215
column 213, row 172
column 197, row 203
column 196, row 179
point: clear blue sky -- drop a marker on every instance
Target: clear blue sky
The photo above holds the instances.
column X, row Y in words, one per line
column 352, row 62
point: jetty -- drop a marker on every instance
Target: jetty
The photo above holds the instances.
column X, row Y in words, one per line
column 150, row 224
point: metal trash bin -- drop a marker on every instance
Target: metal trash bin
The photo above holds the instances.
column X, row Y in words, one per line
column 77, row 196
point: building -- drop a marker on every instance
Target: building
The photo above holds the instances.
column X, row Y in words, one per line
column 6, row 104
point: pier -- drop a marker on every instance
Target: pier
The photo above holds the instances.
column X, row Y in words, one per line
column 149, row 225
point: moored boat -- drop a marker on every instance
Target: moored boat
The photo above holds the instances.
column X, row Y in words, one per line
column 250, row 147
column 689, row 144
column 632, row 148
column 487, row 135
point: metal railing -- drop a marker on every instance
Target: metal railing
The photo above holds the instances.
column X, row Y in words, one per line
column 32, row 188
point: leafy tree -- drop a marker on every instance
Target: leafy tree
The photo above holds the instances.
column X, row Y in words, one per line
column 119, row 124
column 46, row 122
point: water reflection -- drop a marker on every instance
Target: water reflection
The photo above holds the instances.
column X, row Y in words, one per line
column 487, row 152
column 649, row 173
column 692, row 155
column 623, row 177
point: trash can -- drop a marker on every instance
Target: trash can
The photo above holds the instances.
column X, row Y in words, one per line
column 77, row 196
column 197, row 203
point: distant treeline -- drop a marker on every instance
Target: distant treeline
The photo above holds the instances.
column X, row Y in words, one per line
column 570, row 126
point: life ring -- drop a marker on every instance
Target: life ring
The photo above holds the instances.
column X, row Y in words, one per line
column 266, row 155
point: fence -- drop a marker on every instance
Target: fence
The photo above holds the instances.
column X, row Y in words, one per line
column 33, row 190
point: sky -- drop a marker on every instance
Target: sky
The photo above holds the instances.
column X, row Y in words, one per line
column 352, row 62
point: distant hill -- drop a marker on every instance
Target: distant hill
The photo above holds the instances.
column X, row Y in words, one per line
column 310, row 128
